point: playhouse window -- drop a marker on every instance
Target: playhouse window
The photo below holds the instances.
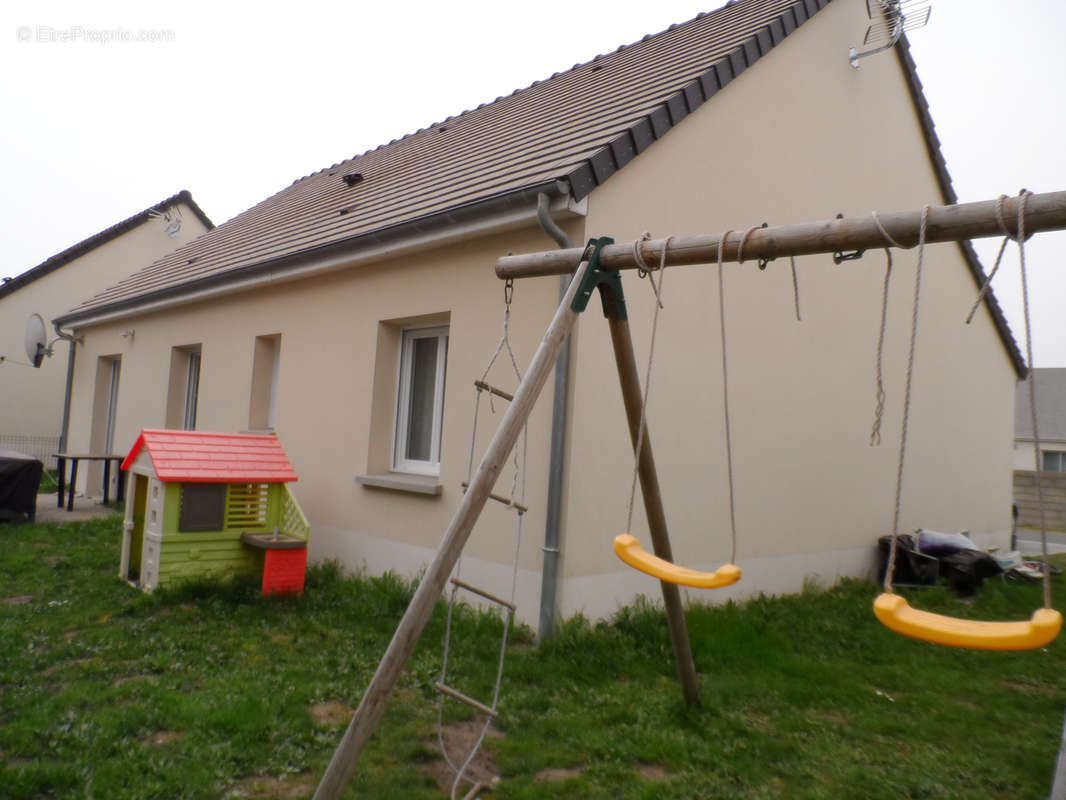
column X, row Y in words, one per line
column 420, row 400
column 203, row 507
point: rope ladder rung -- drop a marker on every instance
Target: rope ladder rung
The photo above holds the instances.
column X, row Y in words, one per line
column 487, row 595
column 493, row 390
column 462, row 698
column 501, row 499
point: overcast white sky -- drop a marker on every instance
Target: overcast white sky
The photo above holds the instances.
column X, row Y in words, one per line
column 245, row 98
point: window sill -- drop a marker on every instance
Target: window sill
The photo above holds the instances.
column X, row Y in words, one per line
column 401, row 482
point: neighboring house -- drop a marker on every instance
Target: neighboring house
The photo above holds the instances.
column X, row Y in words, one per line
column 314, row 311
column 1051, row 421
column 31, row 400
column 1051, row 424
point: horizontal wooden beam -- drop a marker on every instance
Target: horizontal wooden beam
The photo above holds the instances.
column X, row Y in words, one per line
column 1043, row 212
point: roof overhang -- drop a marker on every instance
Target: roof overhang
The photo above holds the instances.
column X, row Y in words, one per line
column 503, row 212
column 86, row 246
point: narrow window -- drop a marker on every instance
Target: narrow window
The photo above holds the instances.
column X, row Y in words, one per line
column 263, row 406
column 420, row 400
column 192, row 391
column 112, row 405
column 183, row 393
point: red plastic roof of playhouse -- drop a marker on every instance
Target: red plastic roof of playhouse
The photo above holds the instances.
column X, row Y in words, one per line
column 199, row 457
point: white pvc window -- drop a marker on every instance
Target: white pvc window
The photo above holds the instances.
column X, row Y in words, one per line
column 420, row 400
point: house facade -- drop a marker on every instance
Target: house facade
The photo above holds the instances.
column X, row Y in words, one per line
column 332, row 312
column 1051, row 420
column 32, row 399
column 1047, row 503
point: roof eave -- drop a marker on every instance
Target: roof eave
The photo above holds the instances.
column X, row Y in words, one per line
column 940, row 169
column 633, row 141
column 85, row 246
column 501, row 212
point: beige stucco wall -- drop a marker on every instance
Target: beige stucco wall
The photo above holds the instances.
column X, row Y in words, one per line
column 31, row 400
column 329, row 329
column 797, row 138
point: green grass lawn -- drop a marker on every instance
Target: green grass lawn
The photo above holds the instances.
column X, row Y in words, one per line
column 212, row 691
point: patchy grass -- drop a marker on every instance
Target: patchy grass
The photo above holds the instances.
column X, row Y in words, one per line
column 210, row 690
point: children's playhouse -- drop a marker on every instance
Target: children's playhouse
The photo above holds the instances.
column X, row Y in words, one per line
column 210, row 504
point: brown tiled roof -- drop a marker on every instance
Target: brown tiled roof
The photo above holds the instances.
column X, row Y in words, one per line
column 101, row 238
column 581, row 125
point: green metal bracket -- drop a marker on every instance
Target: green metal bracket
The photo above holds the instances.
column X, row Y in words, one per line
column 608, row 281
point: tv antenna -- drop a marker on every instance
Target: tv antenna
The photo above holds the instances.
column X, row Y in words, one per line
column 889, row 19
column 171, row 218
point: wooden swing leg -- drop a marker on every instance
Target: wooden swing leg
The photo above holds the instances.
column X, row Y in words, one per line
column 372, row 706
column 629, row 379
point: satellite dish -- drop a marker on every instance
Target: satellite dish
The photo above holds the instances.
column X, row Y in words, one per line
column 36, row 340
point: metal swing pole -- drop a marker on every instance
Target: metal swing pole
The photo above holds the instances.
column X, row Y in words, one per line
column 1043, row 212
column 414, row 620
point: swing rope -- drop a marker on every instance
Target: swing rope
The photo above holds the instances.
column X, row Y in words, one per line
column 1023, row 197
column 890, row 572
column 519, row 471
column 893, row 610
column 725, row 382
column 626, row 546
column 657, row 288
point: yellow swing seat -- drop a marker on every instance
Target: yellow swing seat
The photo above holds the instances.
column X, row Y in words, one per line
column 628, row 548
column 895, row 613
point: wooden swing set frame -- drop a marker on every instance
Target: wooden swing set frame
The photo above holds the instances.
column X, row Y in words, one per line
column 597, row 266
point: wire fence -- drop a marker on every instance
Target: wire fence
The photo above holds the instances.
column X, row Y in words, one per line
column 40, row 447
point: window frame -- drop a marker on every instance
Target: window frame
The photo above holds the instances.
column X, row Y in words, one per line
column 1048, row 456
column 401, row 425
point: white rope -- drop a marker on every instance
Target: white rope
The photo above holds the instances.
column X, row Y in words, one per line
column 988, row 281
column 657, row 288
column 795, row 288
column 1007, row 236
column 1023, row 198
column 891, row 571
column 743, row 241
column 725, row 386
column 879, row 409
column 519, row 473
column 884, row 233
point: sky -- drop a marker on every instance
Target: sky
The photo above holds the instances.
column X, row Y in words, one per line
column 234, row 101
